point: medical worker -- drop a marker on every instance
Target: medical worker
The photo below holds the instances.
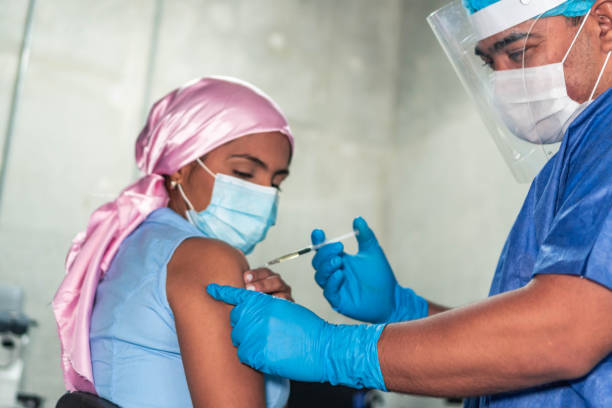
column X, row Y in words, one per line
column 544, row 337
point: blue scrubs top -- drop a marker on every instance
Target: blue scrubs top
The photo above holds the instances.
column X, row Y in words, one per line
column 565, row 227
column 135, row 354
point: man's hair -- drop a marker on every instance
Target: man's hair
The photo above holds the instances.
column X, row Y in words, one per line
column 575, row 21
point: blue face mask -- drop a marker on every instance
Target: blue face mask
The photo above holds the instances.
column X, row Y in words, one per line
column 240, row 213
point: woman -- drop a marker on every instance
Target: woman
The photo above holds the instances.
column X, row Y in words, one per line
column 214, row 153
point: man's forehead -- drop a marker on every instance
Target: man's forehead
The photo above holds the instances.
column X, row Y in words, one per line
column 498, row 42
column 534, row 28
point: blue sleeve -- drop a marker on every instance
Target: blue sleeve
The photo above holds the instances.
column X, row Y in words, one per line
column 579, row 241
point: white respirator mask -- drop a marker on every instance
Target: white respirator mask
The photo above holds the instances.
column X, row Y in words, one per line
column 533, row 102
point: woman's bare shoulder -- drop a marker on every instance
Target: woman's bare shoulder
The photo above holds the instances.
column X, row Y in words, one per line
column 200, row 261
column 203, row 324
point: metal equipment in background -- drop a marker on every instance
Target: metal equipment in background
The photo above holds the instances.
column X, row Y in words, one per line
column 14, row 328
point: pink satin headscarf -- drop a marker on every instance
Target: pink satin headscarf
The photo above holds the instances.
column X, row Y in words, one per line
column 182, row 126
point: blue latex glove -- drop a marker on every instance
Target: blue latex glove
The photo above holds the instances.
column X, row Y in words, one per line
column 281, row 338
column 363, row 286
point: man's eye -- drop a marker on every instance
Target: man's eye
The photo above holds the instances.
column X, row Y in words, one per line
column 243, row 174
column 487, row 62
column 516, row 56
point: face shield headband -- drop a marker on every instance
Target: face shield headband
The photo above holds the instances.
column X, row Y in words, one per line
column 505, row 14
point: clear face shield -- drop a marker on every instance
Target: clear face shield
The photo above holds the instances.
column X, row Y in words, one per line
column 510, row 56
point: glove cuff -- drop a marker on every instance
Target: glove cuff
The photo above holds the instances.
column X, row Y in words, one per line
column 408, row 306
column 352, row 355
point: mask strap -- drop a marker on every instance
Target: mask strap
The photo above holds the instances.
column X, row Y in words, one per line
column 586, row 17
column 206, row 168
column 525, row 42
column 600, row 76
column 182, row 193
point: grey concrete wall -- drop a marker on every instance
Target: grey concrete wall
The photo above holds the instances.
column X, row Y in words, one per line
column 72, row 146
column 453, row 198
column 383, row 130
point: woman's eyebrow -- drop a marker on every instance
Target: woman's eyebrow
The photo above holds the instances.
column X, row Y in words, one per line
column 254, row 159
column 283, row 172
column 259, row 162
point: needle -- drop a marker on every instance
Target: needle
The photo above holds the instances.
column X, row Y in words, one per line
column 310, row 248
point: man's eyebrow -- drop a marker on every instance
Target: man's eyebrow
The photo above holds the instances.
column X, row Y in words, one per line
column 479, row 52
column 501, row 44
column 511, row 38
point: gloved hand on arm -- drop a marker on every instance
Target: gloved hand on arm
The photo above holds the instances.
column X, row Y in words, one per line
column 281, row 338
column 363, row 286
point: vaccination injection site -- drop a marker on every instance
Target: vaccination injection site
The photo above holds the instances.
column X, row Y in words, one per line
column 306, row 203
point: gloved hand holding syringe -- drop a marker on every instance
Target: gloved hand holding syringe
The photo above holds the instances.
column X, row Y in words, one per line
column 310, row 248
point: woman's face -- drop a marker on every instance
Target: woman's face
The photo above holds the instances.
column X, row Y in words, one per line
column 261, row 158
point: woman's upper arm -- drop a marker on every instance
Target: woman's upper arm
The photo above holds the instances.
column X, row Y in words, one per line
column 214, row 374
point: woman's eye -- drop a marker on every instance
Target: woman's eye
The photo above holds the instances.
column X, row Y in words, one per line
column 242, row 174
column 276, row 186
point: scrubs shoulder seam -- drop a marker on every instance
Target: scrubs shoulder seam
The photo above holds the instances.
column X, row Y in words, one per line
column 580, row 275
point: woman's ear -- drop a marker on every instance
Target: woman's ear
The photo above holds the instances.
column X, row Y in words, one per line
column 179, row 176
column 173, row 180
column 602, row 10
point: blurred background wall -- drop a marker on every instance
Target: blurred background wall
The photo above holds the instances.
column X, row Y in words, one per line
column 383, row 130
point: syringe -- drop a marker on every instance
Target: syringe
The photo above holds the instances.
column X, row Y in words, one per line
column 304, row 251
